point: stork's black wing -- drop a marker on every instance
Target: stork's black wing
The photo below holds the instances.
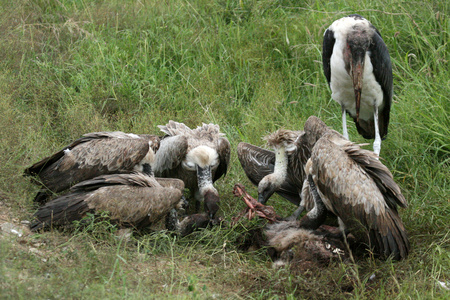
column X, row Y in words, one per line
column 382, row 69
column 327, row 51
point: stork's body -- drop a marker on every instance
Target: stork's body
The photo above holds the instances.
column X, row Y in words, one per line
column 198, row 156
column 94, row 154
column 358, row 69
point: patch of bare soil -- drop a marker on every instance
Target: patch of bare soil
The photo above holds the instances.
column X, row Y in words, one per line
column 10, row 225
column 17, row 232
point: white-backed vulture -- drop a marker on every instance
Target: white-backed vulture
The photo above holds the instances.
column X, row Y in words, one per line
column 92, row 155
column 132, row 200
column 354, row 185
column 198, row 156
column 280, row 171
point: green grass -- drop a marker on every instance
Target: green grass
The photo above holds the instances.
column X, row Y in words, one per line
column 78, row 66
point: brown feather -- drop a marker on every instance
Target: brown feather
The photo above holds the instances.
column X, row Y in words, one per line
column 224, row 151
column 379, row 173
column 282, row 137
column 92, row 155
column 185, row 149
column 135, row 200
column 360, row 190
column 258, row 163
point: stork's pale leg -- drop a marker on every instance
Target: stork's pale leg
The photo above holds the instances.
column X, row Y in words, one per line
column 344, row 123
column 377, row 141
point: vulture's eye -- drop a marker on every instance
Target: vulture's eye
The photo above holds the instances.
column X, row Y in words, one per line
column 215, row 165
column 189, row 166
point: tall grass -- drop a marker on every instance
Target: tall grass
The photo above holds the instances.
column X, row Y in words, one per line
column 71, row 67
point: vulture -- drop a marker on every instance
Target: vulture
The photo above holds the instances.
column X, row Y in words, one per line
column 198, row 156
column 358, row 69
column 354, row 185
column 279, row 171
column 92, row 155
column 134, row 200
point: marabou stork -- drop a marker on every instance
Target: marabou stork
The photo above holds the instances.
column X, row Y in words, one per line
column 358, row 69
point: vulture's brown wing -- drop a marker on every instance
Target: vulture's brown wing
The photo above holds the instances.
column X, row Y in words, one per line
column 92, row 155
column 171, row 153
column 258, row 162
column 353, row 195
column 224, row 151
column 130, row 199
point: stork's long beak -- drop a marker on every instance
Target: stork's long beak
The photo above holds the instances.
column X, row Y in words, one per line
column 357, row 72
column 207, row 190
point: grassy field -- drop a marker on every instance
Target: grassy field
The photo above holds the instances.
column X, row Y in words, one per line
column 69, row 67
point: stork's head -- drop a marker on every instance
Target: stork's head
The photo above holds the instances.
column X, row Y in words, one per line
column 357, row 45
